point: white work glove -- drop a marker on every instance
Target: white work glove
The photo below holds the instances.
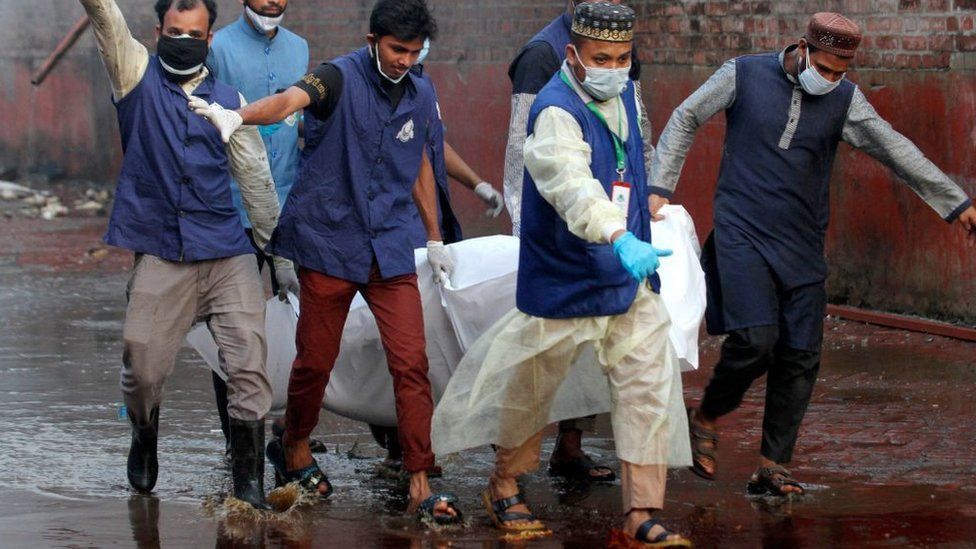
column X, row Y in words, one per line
column 287, row 283
column 440, row 261
column 225, row 120
column 491, row 197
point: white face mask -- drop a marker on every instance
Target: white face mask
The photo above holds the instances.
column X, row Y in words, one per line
column 604, row 84
column 379, row 67
column 424, row 52
column 812, row 81
column 262, row 22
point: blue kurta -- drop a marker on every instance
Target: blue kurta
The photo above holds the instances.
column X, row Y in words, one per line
column 561, row 275
column 173, row 195
column 352, row 203
column 765, row 260
column 259, row 66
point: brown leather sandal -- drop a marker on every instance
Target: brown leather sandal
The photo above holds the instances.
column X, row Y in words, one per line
column 704, row 444
column 771, row 481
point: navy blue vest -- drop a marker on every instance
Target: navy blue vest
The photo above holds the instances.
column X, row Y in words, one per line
column 556, row 34
column 779, row 199
column 352, row 202
column 449, row 224
column 561, row 275
column 173, row 196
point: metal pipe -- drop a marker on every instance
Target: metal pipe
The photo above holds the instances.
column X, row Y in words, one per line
column 61, row 49
column 902, row 322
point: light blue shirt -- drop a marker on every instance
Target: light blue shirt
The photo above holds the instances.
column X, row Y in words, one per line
column 259, row 66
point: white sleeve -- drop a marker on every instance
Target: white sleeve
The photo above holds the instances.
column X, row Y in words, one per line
column 558, row 159
column 250, row 168
column 125, row 58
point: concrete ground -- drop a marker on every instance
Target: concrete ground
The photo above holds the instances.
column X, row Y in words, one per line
column 886, row 449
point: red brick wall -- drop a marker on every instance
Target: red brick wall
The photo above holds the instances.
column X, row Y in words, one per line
column 886, row 248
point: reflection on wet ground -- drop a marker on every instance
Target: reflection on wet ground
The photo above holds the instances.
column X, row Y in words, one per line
column 887, row 449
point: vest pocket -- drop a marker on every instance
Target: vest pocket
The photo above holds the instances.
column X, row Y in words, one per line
column 604, row 265
column 323, row 204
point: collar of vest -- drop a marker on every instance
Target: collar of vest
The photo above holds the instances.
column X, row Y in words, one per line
column 585, row 99
column 203, row 90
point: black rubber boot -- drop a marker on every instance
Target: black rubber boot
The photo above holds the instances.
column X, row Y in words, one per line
column 220, row 395
column 247, row 461
column 142, row 467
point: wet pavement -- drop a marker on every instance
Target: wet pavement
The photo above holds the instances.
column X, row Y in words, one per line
column 886, row 449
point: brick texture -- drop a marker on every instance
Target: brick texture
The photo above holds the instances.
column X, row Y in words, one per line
column 898, row 34
column 887, row 249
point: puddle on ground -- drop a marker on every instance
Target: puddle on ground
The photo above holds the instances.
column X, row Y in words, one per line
column 886, row 451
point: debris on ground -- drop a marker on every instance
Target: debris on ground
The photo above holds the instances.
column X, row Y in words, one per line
column 13, row 191
column 50, row 203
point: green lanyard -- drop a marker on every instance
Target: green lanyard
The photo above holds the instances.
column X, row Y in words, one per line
column 618, row 146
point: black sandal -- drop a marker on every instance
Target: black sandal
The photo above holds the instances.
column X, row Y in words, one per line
column 428, row 509
column 704, row 444
column 309, row 478
column 580, row 469
column 660, row 540
column 771, row 480
column 498, row 511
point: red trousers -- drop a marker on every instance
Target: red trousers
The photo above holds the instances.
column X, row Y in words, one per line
column 395, row 303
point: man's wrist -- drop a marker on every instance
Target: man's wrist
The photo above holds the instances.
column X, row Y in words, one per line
column 612, row 231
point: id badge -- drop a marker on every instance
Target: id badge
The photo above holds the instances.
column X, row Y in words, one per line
column 620, row 196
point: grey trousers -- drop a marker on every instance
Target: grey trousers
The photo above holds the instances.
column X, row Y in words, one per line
column 165, row 299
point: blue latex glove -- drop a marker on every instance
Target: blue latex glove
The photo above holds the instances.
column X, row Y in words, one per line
column 638, row 257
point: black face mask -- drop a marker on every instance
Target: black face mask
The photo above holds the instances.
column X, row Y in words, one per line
column 182, row 57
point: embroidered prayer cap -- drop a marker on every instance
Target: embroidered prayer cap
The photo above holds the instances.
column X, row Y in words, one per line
column 833, row 33
column 604, row 21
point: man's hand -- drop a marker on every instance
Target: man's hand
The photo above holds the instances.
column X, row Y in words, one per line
column 638, row 257
column 287, row 283
column 968, row 221
column 491, row 197
column 226, row 121
column 440, row 262
column 654, row 203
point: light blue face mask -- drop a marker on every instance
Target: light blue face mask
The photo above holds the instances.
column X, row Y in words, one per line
column 424, row 52
column 603, row 84
column 812, row 81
